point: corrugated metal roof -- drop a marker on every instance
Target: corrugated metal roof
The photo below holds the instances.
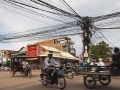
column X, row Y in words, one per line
column 67, row 55
column 52, row 56
column 50, row 48
column 43, row 55
column 23, row 49
column 63, row 55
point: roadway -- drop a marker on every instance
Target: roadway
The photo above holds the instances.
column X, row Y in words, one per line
column 7, row 82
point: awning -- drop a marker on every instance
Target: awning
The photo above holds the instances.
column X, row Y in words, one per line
column 52, row 56
column 68, row 56
column 72, row 58
column 32, row 59
column 50, row 48
column 43, row 55
column 21, row 53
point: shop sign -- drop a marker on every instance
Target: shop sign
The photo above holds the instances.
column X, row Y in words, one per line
column 31, row 51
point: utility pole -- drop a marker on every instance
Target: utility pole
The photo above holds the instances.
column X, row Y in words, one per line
column 86, row 24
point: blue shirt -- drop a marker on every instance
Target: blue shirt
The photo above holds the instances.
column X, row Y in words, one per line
column 84, row 63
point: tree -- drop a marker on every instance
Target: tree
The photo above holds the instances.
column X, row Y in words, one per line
column 101, row 50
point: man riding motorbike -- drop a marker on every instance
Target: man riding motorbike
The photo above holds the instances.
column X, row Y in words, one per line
column 49, row 63
column 25, row 63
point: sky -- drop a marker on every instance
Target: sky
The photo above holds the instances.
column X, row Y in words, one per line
column 11, row 22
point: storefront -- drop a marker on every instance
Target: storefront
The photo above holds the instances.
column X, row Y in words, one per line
column 37, row 53
column 33, row 56
column 34, row 62
column 57, row 55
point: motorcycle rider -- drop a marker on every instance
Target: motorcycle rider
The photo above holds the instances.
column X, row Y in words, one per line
column 49, row 63
column 24, row 63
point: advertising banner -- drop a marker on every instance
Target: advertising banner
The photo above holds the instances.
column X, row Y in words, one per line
column 31, row 51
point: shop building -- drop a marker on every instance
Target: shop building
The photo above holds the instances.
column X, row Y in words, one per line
column 63, row 44
column 36, row 53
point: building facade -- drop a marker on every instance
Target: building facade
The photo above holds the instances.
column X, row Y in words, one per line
column 5, row 56
column 37, row 53
column 63, row 44
column 33, row 52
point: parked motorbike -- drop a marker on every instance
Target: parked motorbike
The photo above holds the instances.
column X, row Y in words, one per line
column 56, row 78
column 68, row 72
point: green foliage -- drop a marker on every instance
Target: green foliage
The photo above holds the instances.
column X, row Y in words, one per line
column 101, row 50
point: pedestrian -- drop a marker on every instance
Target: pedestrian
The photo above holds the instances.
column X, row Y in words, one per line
column 64, row 65
column 100, row 65
column 76, row 67
column 84, row 65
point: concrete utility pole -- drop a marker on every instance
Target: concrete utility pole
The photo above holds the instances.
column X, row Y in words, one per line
column 86, row 24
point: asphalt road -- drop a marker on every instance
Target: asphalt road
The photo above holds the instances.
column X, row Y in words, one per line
column 7, row 82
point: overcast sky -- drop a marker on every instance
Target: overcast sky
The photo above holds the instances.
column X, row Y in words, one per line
column 11, row 22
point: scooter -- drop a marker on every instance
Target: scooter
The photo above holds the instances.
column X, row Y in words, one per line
column 56, row 78
column 68, row 73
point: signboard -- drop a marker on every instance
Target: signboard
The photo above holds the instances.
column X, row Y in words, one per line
column 85, row 54
column 80, row 58
column 31, row 51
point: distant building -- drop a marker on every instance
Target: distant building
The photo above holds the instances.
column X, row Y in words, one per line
column 5, row 55
column 62, row 48
column 63, row 44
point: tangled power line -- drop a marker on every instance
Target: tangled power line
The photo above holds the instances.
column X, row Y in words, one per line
column 68, row 22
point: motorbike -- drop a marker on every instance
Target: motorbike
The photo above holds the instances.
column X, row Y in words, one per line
column 56, row 78
column 27, row 72
column 68, row 72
